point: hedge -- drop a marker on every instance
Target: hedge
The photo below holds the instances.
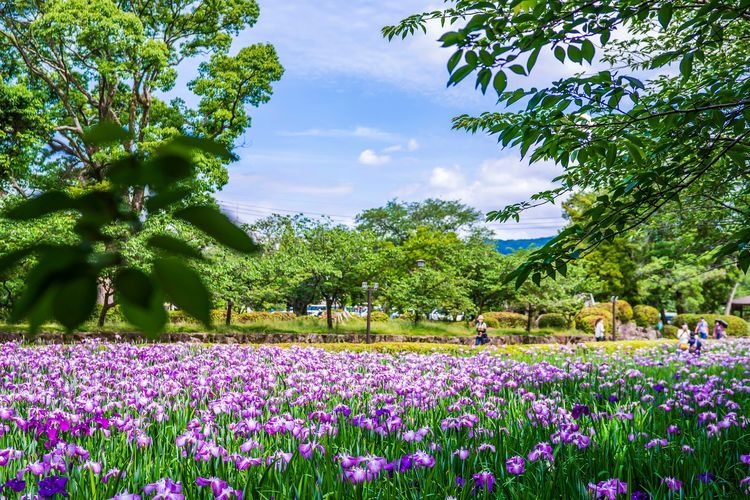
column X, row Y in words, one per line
column 738, row 327
column 219, row 315
column 506, row 319
column 552, row 320
column 114, row 314
column 646, row 316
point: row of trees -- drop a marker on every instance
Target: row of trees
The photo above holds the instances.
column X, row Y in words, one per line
column 305, row 261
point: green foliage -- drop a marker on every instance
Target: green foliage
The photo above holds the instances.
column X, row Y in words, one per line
column 552, row 320
column 646, row 140
column 88, row 61
column 738, row 327
column 506, row 319
column 670, row 332
column 598, row 310
column 624, row 311
column 378, row 316
column 62, row 284
column 645, row 316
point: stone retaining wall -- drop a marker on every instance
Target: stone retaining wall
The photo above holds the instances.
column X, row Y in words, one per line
column 278, row 338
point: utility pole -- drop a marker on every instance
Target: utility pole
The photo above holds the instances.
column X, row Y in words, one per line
column 369, row 288
column 614, row 317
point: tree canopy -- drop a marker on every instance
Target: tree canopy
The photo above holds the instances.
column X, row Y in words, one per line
column 657, row 122
column 70, row 64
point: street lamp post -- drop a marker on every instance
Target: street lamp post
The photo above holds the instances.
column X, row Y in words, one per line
column 614, row 317
column 369, row 288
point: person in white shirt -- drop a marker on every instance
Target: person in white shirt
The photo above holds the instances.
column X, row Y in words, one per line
column 599, row 330
column 683, row 336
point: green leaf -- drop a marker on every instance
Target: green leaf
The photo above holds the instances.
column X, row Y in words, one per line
column 574, row 54
column 74, row 301
column 686, row 65
column 184, row 287
column 105, row 133
column 500, row 82
column 218, row 226
column 141, row 302
column 532, row 59
column 174, row 246
column 536, row 278
column 164, row 199
column 182, row 142
column 454, row 60
column 167, row 169
column 743, row 260
column 665, row 14
column 587, row 50
column 560, row 53
column 460, row 74
column 518, row 69
column 39, row 206
column 604, row 37
column 135, row 287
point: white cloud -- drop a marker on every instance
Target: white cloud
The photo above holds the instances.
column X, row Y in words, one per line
column 494, row 184
column 412, row 145
column 371, row 158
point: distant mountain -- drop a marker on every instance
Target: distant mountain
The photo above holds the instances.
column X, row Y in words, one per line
column 510, row 246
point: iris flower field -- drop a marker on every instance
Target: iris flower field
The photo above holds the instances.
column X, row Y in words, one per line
column 100, row 421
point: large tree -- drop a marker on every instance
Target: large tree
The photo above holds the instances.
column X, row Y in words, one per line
column 659, row 120
column 82, row 62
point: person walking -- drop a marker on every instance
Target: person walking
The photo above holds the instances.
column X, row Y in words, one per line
column 683, row 337
column 481, row 328
column 599, row 330
column 701, row 329
column 719, row 329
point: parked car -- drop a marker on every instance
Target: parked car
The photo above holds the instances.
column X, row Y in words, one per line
column 316, row 310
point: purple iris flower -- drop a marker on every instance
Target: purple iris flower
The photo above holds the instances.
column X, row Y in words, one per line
column 706, row 477
column 672, row 483
column 460, row 482
column 16, row 485
column 53, row 485
column 745, row 459
column 484, row 480
column 608, row 489
column 580, row 410
column 516, row 465
column 639, row 495
column 658, row 388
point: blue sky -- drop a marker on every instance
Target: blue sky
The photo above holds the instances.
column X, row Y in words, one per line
column 357, row 121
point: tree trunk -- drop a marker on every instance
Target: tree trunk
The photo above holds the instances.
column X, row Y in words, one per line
column 528, row 318
column 228, row 318
column 329, row 312
column 106, row 306
column 728, row 308
column 300, row 307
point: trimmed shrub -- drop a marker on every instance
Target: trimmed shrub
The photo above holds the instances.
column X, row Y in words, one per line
column 624, row 311
column 670, row 332
column 645, row 316
column 738, row 327
column 586, row 324
column 552, row 320
column 180, row 317
column 506, row 319
column 377, row 316
column 597, row 310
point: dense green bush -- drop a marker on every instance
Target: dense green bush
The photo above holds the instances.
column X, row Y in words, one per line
column 586, row 324
column 506, row 319
column 595, row 310
column 377, row 316
column 670, row 332
column 552, row 320
column 645, row 316
column 624, row 311
column 738, row 327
